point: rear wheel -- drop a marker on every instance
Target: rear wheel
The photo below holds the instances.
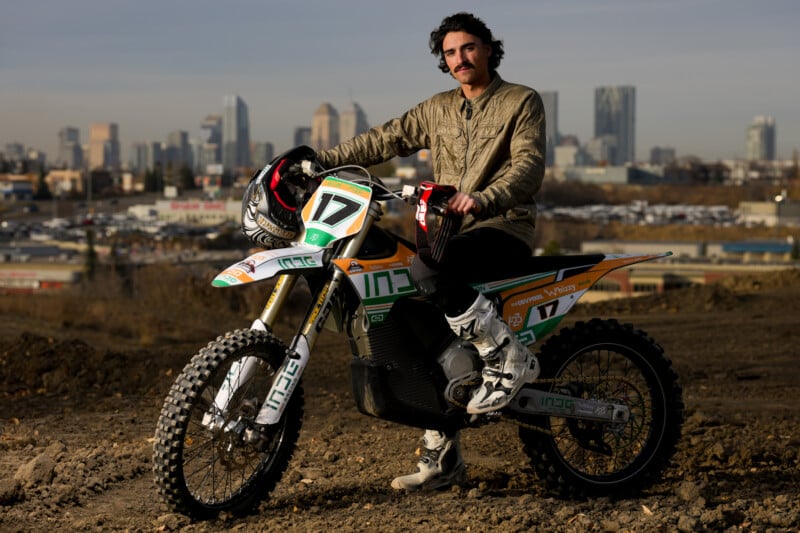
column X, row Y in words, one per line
column 606, row 360
column 209, row 455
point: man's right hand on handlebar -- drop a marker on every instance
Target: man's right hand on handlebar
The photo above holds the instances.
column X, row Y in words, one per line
column 463, row 204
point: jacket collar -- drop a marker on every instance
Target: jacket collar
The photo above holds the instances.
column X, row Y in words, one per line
column 480, row 101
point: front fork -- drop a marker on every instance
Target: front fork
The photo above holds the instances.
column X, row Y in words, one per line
column 291, row 370
column 243, row 369
column 288, row 375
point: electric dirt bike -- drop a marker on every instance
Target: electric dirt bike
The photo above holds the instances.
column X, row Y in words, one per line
column 603, row 418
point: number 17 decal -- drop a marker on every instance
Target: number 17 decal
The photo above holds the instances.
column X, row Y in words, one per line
column 346, row 207
column 548, row 310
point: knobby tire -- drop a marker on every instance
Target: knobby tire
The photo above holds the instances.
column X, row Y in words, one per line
column 606, row 360
column 200, row 472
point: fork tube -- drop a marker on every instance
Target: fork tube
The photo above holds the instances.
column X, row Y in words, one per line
column 288, row 375
column 280, row 293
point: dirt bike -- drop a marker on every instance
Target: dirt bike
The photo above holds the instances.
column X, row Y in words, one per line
column 603, row 418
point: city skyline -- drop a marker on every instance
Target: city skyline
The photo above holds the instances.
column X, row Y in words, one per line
column 702, row 69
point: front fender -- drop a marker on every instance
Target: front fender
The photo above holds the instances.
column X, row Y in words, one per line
column 269, row 263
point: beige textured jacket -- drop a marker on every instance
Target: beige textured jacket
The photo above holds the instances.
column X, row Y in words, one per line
column 491, row 148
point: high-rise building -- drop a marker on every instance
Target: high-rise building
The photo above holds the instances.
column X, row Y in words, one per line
column 139, row 157
column 178, row 154
column 235, row 133
column 352, row 122
column 302, row 136
column 70, row 155
column 104, row 146
column 212, row 147
column 262, row 154
column 325, row 127
column 155, row 156
column 550, row 101
column 615, row 114
column 761, row 139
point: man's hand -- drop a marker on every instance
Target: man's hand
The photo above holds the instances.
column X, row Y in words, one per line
column 463, row 204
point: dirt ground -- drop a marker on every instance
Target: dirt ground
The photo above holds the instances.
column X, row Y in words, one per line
column 80, row 406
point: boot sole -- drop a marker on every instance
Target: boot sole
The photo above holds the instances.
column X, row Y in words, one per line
column 442, row 482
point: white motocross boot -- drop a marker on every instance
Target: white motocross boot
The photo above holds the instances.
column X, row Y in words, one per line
column 440, row 464
column 508, row 365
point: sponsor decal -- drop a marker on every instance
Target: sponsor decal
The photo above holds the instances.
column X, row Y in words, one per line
column 558, row 403
column 355, row 267
column 249, row 266
column 422, row 211
column 305, row 261
column 515, row 320
column 269, row 227
column 558, row 291
column 526, row 301
column 388, row 283
column 283, row 385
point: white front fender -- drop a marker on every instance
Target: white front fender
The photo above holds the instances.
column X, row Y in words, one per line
column 269, row 263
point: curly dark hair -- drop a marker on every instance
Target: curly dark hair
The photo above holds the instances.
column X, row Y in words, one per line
column 469, row 23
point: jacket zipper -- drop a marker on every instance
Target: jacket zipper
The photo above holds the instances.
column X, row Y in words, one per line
column 467, row 137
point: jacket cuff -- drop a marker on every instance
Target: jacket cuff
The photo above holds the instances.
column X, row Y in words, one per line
column 481, row 201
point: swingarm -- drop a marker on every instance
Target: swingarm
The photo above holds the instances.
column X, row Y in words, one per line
column 532, row 401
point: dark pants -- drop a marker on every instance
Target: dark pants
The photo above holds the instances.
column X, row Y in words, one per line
column 470, row 257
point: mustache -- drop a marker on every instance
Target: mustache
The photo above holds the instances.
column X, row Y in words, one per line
column 462, row 66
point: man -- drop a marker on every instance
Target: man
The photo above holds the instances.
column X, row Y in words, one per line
column 487, row 140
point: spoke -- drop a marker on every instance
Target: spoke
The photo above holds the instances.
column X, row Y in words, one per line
column 609, row 376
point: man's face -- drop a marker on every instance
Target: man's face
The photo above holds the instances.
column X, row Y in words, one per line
column 467, row 57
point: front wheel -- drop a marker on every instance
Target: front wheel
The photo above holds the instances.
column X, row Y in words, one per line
column 209, row 456
column 608, row 361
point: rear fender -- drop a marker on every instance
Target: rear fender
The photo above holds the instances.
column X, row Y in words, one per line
column 534, row 305
column 269, row 263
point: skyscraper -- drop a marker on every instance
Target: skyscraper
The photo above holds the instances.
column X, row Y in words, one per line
column 761, row 139
column 263, row 153
column 70, row 155
column 550, row 101
column 302, row 136
column 615, row 114
column 104, row 146
column 352, row 122
column 235, row 133
column 325, row 127
column 139, row 157
column 212, row 147
column 178, row 153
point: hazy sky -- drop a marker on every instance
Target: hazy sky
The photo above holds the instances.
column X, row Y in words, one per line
column 702, row 68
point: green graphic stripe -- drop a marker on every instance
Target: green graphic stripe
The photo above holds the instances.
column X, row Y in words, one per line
column 348, row 182
column 543, row 328
column 224, row 281
column 317, row 237
column 497, row 286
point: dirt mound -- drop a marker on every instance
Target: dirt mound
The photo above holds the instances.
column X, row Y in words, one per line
column 81, row 403
column 34, row 364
